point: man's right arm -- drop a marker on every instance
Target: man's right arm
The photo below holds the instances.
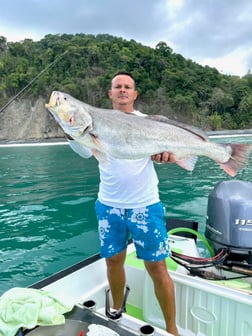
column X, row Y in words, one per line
column 80, row 149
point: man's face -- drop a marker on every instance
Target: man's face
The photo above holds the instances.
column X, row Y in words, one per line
column 123, row 93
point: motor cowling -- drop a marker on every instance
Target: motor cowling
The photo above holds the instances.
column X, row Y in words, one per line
column 229, row 217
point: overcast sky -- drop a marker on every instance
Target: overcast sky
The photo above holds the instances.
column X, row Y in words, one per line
column 213, row 32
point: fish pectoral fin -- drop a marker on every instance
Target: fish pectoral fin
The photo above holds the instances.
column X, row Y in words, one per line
column 100, row 156
column 187, row 163
column 98, row 151
column 93, row 134
column 95, row 139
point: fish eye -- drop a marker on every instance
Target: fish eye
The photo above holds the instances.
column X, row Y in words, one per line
column 71, row 119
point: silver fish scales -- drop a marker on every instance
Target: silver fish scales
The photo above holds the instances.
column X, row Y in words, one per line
column 128, row 136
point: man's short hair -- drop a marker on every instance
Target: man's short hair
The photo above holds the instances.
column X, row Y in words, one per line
column 124, row 73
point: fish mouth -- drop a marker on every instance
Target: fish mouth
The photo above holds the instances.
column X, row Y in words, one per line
column 54, row 100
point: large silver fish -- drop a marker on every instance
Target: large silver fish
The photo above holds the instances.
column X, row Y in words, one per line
column 128, row 136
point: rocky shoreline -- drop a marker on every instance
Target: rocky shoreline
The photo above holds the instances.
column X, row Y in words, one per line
column 32, row 141
column 230, row 132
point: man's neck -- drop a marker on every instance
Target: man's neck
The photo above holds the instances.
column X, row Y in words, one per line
column 124, row 108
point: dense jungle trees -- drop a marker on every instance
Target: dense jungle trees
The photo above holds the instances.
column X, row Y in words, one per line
column 168, row 84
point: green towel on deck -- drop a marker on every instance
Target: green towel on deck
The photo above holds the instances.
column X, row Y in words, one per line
column 28, row 307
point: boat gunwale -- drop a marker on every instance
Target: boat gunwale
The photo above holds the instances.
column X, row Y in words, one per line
column 66, row 271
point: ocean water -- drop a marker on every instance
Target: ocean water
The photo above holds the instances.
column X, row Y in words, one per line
column 47, row 195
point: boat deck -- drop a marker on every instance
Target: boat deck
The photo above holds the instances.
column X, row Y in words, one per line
column 206, row 308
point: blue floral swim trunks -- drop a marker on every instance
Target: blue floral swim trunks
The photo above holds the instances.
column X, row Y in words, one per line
column 146, row 226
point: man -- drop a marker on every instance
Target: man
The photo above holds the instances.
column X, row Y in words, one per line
column 128, row 205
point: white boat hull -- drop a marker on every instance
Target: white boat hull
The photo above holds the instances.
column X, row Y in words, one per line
column 204, row 308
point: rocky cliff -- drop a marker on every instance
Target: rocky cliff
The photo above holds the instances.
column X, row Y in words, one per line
column 27, row 120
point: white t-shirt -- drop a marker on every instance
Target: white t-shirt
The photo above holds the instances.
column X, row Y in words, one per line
column 126, row 184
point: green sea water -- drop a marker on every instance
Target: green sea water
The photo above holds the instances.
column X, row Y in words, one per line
column 47, row 195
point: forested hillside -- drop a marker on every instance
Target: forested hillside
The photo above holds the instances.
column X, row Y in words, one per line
column 168, row 84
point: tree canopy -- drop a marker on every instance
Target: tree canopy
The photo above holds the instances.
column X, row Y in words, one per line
column 83, row 64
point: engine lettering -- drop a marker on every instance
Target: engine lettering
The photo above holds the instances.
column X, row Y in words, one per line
column 239, row 221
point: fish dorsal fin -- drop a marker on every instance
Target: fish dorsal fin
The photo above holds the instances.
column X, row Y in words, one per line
column 188, row 128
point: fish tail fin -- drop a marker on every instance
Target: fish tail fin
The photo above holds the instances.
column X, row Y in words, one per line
column 238, row 159
column 187, row 163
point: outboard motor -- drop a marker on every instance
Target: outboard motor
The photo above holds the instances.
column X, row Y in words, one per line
column 229, row 219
